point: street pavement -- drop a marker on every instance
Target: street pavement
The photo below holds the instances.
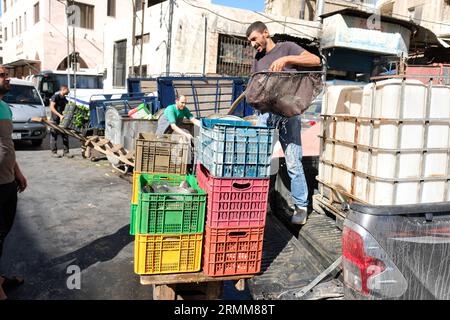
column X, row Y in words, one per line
column 74, row 215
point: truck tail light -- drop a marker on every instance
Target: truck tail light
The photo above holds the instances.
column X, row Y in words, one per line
column 367, row 268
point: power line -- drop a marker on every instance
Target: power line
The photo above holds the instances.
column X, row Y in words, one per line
column 395, row 14
column 248, row 23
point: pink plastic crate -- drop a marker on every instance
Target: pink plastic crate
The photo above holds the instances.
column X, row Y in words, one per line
column 234, row 202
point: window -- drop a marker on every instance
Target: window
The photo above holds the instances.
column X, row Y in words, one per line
column 36, row 13
column 415, row 14
column 12, row 29
column 6, row 34
column 111, row 11
column 235, row 56
column 20, row 25
column 4, row 5
column 25, row 21
column 137, row 69
column 146, row 37
column 22, row 94
column 86, row 15
column 17, row 27
column 153, row 2
column 119, row 63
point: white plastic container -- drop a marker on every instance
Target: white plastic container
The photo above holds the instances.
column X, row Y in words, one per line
column 387, row 143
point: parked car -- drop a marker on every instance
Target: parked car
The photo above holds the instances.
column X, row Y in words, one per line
column 25, row 103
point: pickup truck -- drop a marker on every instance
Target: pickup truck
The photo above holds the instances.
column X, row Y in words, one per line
column 397, row 252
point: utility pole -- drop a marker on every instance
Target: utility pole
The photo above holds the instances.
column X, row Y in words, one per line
column 169, row 37
column 66, row 5
column 204, row 44
column 133, row 37
column 74, row 65
column 142, row 38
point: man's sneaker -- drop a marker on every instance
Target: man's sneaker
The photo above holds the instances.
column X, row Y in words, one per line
column 300, row 215
column 68, row 155
column 56, row 155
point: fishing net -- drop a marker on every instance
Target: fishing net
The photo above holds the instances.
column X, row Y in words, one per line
column 283, row 93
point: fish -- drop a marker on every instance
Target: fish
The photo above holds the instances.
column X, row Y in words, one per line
column 160, row 187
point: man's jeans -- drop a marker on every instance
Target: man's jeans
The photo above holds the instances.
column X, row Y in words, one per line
column 54, row 138
column 291, row 142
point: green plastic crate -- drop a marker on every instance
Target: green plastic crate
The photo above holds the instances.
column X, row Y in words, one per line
column 164, row 213
column 133, row 219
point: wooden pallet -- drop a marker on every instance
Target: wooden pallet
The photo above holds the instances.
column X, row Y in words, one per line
column 197, row 285
column 95, row 146
column 323, row 206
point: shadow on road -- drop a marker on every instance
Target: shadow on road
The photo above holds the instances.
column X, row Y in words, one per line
column 100, row 250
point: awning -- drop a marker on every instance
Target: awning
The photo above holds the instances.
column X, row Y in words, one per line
column 21, row 63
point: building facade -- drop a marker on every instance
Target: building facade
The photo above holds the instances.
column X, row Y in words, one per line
column 307, row 9
column 35, row 33
column 431, row 14
column 205, row 39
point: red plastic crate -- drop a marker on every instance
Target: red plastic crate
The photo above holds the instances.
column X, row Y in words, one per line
column 234, row 202
column 232, row 251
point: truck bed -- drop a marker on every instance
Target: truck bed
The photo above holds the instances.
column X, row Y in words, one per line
column 291, row 263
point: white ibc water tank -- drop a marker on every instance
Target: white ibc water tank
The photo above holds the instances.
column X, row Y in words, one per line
column 387, row 143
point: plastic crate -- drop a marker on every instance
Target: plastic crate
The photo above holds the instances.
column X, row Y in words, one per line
column 168, row 153
column 71, row 112
column 234, row 202
column 236, row 148
column 232, row 251
column 165, row 213
column 135, row 192
column 164, row 254
column 133, row 219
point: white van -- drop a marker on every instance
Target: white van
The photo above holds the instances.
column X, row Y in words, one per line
column 26, row 103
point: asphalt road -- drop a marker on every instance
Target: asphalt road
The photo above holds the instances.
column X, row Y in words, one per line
column 74, row 213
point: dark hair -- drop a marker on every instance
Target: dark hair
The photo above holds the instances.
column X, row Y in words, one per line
column 256, row 26
column 63, row 86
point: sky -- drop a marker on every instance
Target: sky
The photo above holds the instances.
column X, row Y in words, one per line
column 256, row 5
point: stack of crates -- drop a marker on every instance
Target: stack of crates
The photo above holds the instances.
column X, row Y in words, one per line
column 234, row 169
column 168, row 227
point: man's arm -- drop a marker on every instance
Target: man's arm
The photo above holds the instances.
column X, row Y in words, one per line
column 304, row 59
column 178, row 130
column 20, row 178
column 196, row 122
column 54, row 111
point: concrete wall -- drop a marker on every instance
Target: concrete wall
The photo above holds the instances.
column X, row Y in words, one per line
column 188, row 35
column 292, row 8
column 47, row 41
column 432, row 11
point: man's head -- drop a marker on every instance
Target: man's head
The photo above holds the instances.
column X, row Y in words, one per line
column 4, row 81
column 181, row 102
column 64, row 90
column 258, row 35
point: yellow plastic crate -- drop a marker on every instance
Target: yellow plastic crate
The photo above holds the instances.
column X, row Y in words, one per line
column 162, row 254
column 135, row 192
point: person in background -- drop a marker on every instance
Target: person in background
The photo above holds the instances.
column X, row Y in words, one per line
column 275, row 57
column 58, row 103
column 11, row 179
column 173, row 116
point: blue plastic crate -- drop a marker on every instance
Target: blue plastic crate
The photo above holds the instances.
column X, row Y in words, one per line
column 236, row 148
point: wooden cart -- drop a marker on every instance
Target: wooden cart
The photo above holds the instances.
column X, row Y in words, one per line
column 190, row 286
